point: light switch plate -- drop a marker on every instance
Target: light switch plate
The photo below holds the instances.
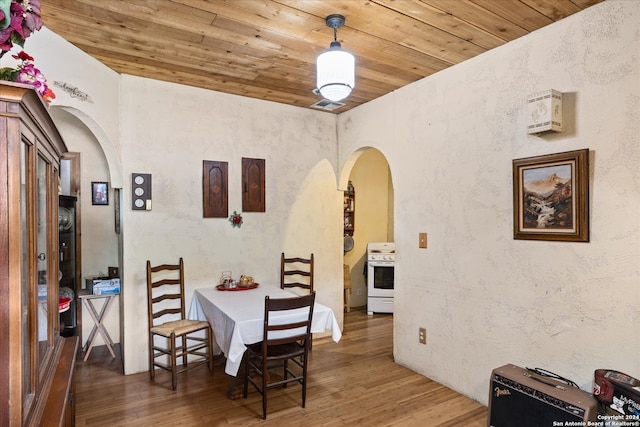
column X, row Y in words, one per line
column 422, row 240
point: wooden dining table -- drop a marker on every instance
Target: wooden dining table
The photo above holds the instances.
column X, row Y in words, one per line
column 237, row 318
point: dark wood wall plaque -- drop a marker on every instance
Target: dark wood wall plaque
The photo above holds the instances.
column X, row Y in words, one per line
column 215, row 191
column 253, row 185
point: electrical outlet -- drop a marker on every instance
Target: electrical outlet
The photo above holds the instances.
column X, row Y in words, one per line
column 422, row 335
column 358, row 291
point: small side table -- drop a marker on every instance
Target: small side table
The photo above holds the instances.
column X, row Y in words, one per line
column 98, row 327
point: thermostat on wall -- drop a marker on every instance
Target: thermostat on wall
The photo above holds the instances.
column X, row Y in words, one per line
column 141, row 191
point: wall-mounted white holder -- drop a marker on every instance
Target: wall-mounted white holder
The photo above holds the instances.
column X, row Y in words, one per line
column 545, row 112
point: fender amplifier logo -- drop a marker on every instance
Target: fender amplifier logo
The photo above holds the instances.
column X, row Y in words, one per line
column 501, row 392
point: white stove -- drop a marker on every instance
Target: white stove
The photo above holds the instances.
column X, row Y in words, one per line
column 381, row 252
column 381, row 259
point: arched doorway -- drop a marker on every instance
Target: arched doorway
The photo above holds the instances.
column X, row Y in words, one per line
column 93, row 150
column 369, row 172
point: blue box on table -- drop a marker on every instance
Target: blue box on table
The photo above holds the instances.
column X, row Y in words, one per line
column 103, row 286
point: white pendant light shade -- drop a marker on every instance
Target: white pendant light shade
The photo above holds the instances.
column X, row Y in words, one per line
column 335, row 67
column 336, row 73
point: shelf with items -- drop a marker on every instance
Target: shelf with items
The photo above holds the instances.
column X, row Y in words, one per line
column 69, row 268
column 349, row 206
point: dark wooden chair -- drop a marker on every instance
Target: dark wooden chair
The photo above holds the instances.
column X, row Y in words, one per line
column 171, row 335
column 282, row 343
column 296, row 272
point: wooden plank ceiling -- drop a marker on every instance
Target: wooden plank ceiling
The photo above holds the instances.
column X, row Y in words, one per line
column 266, row 49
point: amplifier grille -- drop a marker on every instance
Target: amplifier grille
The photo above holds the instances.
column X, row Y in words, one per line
column 539, row 395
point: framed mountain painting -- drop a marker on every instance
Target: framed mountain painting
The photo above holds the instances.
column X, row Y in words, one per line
column 551, row 197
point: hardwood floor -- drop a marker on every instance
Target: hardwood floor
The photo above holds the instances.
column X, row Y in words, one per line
column 354, row 382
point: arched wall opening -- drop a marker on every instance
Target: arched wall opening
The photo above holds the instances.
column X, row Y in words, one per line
column 97, row 162
column 100, row 136
column 368, row 170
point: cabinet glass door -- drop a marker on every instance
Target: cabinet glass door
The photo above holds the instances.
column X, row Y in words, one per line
column 26, row 280
column 42, row 261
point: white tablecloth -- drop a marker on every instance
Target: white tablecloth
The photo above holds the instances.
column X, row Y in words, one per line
column 237, row 318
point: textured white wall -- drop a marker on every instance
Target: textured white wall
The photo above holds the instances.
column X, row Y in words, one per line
column 168, row 130
column 487, row 299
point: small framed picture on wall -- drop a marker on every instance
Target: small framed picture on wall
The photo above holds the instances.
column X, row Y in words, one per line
column 99, row 193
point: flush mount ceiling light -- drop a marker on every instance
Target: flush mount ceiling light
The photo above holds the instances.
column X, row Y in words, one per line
column 335, row 67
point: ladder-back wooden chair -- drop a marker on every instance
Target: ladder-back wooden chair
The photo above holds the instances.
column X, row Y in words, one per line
column 281, row 343
column 171, row 335
column 296, row 272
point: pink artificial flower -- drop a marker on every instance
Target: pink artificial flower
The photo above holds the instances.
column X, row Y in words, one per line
column 24, row 19
column 32, row 20
column 17, row 18
column 29, row 74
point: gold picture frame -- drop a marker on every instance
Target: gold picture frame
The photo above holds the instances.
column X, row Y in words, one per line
column 551, row 197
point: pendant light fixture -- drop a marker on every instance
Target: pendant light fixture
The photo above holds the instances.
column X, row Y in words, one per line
column 335, row 67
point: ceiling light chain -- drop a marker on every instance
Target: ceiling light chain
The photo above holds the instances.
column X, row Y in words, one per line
column 335, row 67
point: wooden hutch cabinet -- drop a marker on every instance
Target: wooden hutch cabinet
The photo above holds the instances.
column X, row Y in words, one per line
column 36, row 378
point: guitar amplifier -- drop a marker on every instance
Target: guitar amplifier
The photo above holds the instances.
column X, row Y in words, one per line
column 520, row 397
